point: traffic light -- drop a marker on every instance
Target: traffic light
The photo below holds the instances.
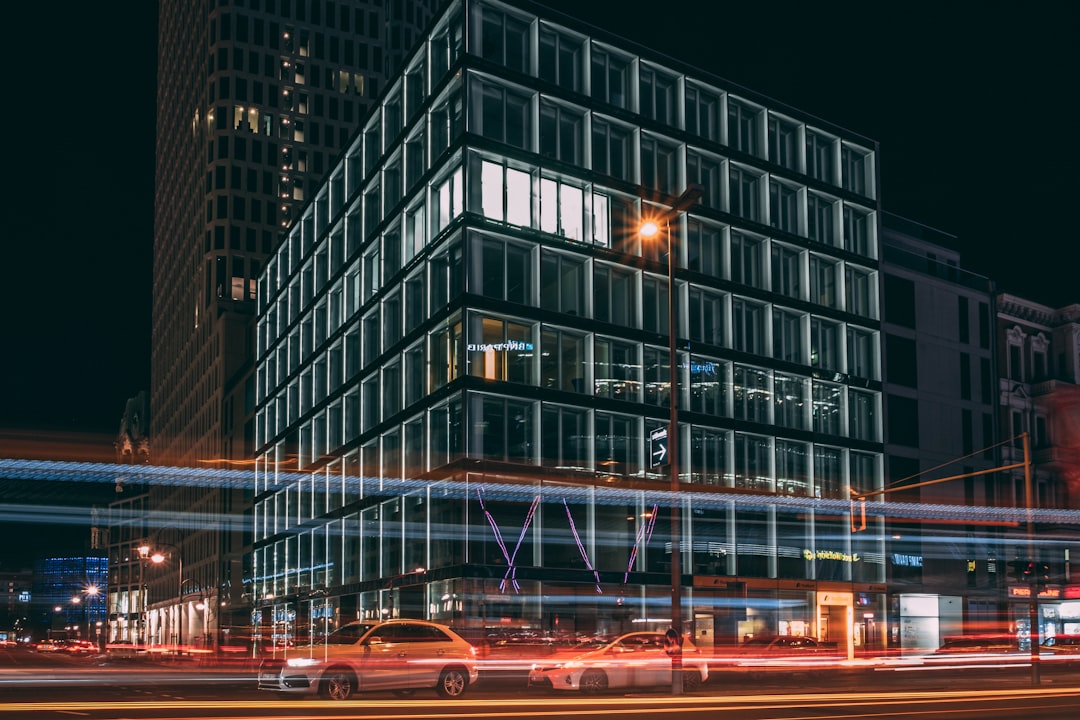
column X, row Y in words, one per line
column 1022, row 571
column 1042, row 573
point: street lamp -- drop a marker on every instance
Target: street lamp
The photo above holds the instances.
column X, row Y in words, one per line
column 650, row 229
column 157, row 558
column 140, row 622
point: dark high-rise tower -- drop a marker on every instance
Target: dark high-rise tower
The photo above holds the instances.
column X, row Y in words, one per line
column 254, row 100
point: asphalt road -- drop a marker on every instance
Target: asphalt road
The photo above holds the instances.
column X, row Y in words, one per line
column 40, row 687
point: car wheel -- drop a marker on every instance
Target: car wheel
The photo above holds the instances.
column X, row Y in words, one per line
column 691, row 680
column 453, row 681
column 337, row 684
column 594, row 681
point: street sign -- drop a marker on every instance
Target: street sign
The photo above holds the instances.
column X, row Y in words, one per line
column 658, row 454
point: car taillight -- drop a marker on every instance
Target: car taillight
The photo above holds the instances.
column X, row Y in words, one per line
column 472, row 649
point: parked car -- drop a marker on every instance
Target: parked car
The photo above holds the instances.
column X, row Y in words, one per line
column 1063, row 649
column 398, row 655
column 633, row 660
column 978, row 644
column 773, row 645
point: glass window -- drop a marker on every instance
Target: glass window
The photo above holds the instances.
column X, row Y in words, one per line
column 704, row 248
column 504, row 38
column 748, row 326
column 415, row 312
column 705, row 170
column 819, row 156
column 447, row 352
column 445, row 119
column 823, row 281
column 863, row 415
column 744, row 127
column 611, row 149
column 744, row 193
column 792, row 394
column 750, row 390
column 706, row 316
column 501, row 113
column 501, row 350
column 610, row 76
column 787, row 271
column 562, row 360
column 828, row 472
column 448, row 199
column 562, row 209
column 824, row 344
column 503, row 429
column 565, row 437
column 657, row 370
column 654, row 304
column 820, row 221
column 561, row 57
column 857, row 235
column 784, row 206
column 862, row 353
column 747, row 260
column 708, row 457
column 788, row 343
column 616, row 370
column 703, row 111
column 562, row 132
column 562, row 283
column 505, row 193
column 391, row 319
column 501, row 270
column 414, row 374
column 860, row 286
column 615, row 295
column 392, row 387
column 658, row 169
column 753, row 469
column 618, row 443
column 855, row 169
column 792, row 467
column 656, row 94
column 708, row 386
column 827, row 409
column 784, row 142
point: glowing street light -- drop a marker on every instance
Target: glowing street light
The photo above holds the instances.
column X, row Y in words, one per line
column 649, row 230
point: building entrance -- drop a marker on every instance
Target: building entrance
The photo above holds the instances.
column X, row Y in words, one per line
column 836, row 612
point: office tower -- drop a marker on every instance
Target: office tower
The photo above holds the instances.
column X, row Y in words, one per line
column 462, row 353
column 939, row 404
column 255, row 99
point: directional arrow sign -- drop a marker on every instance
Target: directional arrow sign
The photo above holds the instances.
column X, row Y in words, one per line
column 658, row 447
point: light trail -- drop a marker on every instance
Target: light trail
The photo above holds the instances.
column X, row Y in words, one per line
column 706, row 497
column 561, row 707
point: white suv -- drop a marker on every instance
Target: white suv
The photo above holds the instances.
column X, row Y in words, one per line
column 398, row 655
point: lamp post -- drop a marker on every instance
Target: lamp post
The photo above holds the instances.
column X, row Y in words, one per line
column 157, row 558
column 140, row 610
column 650, row 229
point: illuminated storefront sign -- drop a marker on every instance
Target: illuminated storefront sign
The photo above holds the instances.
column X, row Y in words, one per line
column 831, row 555
column 1022, row 591
column 902, row 560
column 507, row 346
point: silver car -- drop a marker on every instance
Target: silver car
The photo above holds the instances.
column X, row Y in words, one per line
column 396, row 655
column 634, row 660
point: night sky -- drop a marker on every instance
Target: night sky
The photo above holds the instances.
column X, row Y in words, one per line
column 970, row 102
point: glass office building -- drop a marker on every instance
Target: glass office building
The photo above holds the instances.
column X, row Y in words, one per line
column 463, row 350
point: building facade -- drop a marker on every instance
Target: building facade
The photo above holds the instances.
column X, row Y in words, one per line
column 940, row 364
column 1038, row 394
column 254, row 100
column 69, row 595
column 462, row 354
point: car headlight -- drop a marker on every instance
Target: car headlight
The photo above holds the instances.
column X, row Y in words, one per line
column 301, row 662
